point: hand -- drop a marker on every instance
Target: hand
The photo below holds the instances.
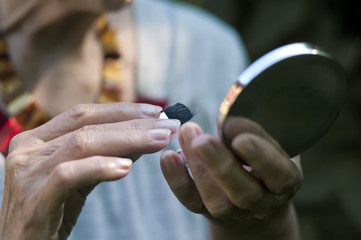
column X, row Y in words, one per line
column 50, row 170
column 34, row 15
column 240, row 201
column 65, row 43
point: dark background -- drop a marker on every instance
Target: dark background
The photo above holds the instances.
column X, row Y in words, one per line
column 329, row 202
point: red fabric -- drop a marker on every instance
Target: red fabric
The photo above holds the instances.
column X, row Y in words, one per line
column 159, row 102
column 8, row 130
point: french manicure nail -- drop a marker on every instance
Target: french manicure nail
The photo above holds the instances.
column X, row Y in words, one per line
column 124, row 163
column 159, row 134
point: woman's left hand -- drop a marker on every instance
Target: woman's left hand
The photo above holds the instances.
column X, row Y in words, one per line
column 239, row 200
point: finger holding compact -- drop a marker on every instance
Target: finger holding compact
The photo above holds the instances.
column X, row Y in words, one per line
column 261, row 188
column 278, row 173
column 265, row 157
column 227, row 189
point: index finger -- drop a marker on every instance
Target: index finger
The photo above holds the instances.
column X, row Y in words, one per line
column 93, row 114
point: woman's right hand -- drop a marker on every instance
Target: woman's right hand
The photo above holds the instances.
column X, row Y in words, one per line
column 50, row 170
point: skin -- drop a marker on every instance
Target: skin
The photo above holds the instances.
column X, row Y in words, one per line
column 42, row 57
column 51, row 169
column 237, row 203
column 33, row 15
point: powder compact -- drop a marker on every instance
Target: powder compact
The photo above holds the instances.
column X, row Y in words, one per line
column 294, row 92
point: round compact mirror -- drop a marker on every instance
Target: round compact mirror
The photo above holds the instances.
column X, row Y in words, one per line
column 294, row 92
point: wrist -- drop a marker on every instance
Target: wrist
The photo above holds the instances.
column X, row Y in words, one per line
column 7, row 224
column 282, row 225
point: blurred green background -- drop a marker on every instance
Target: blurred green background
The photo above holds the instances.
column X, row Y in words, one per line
column 329, row 201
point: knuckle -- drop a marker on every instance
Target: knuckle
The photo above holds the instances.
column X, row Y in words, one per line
column 291, row 187
column 146, row 124
column 102, row 167
column 248, row 199
column 135, row 124
column 18, row 140
column 195, row 206
column 141, row 124
column 78, row 112
column 126, row 109
column 223, row 170
column 246, row 145
column 18, row 163
column 13, row 162
column 81, row 140
column 62, row 174
column 221, row 209
column 21, row 164
column 290, row 180
column 86, row 128
column 280, row 199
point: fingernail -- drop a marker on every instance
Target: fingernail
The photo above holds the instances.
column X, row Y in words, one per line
column 245, row 146
column 168, row 162
column 181, row 155
column 159, row 134
column 150, row 110
column 171, row 124
column 124, row 163
column 171, row 162
column 189, row 133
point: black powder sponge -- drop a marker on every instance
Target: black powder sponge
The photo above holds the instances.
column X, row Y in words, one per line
column 179, row 111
